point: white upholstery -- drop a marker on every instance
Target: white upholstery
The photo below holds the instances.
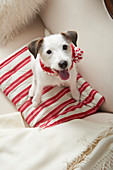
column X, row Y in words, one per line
column 95, row 29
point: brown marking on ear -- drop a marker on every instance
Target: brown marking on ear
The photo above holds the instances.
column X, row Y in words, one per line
column 66, row 36
column 34, row 46
column 72, row 35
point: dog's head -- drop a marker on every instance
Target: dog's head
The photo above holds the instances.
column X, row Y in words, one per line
column 55, row 51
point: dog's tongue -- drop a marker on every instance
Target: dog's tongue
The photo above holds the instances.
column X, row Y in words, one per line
column 64, row 75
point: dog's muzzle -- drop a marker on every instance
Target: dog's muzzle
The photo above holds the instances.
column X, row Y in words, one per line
column 63, row 74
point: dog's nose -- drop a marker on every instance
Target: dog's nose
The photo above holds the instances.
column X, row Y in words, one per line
column 63, row 64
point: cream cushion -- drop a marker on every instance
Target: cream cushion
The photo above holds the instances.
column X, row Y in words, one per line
column 95, row 28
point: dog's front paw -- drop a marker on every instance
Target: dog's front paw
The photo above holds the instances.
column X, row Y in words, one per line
column 36, row 102
column 76, row 95
column 31, row 92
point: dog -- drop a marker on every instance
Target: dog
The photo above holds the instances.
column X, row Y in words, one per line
column 52, row 64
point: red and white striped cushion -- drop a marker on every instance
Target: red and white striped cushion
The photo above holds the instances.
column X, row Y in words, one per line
column 57, row 104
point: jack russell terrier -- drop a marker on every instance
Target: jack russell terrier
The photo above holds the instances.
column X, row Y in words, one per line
column 54, row 61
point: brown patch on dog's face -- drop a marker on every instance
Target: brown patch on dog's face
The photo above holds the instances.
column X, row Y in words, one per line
column 71, row 35
column 34, row 46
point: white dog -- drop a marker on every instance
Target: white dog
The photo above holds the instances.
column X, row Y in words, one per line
column 52, row 64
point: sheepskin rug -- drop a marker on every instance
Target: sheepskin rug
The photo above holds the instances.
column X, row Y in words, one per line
column 15, row 14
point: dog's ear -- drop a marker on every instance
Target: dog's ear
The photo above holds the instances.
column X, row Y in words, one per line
column 34, row 46
column 72, row 35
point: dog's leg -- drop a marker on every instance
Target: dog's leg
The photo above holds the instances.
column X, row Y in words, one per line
column 37, row 97
column 33, row 86
column 74, row 92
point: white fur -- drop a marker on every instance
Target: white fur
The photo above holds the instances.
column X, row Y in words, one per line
column 15, row 14
column 41, row 78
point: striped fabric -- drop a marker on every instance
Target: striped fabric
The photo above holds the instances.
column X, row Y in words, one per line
column 57, row 104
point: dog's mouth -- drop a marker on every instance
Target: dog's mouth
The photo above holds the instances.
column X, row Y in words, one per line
column 63, row 74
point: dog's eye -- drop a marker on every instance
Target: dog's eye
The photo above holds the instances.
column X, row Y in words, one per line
column 49, row 52
column 65, row 47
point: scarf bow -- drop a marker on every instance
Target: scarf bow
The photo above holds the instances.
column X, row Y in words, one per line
column 77, row 53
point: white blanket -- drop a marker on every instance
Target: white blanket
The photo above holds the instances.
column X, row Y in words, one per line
column 77, row 144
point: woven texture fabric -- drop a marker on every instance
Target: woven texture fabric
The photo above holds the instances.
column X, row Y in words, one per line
column 57, row 105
